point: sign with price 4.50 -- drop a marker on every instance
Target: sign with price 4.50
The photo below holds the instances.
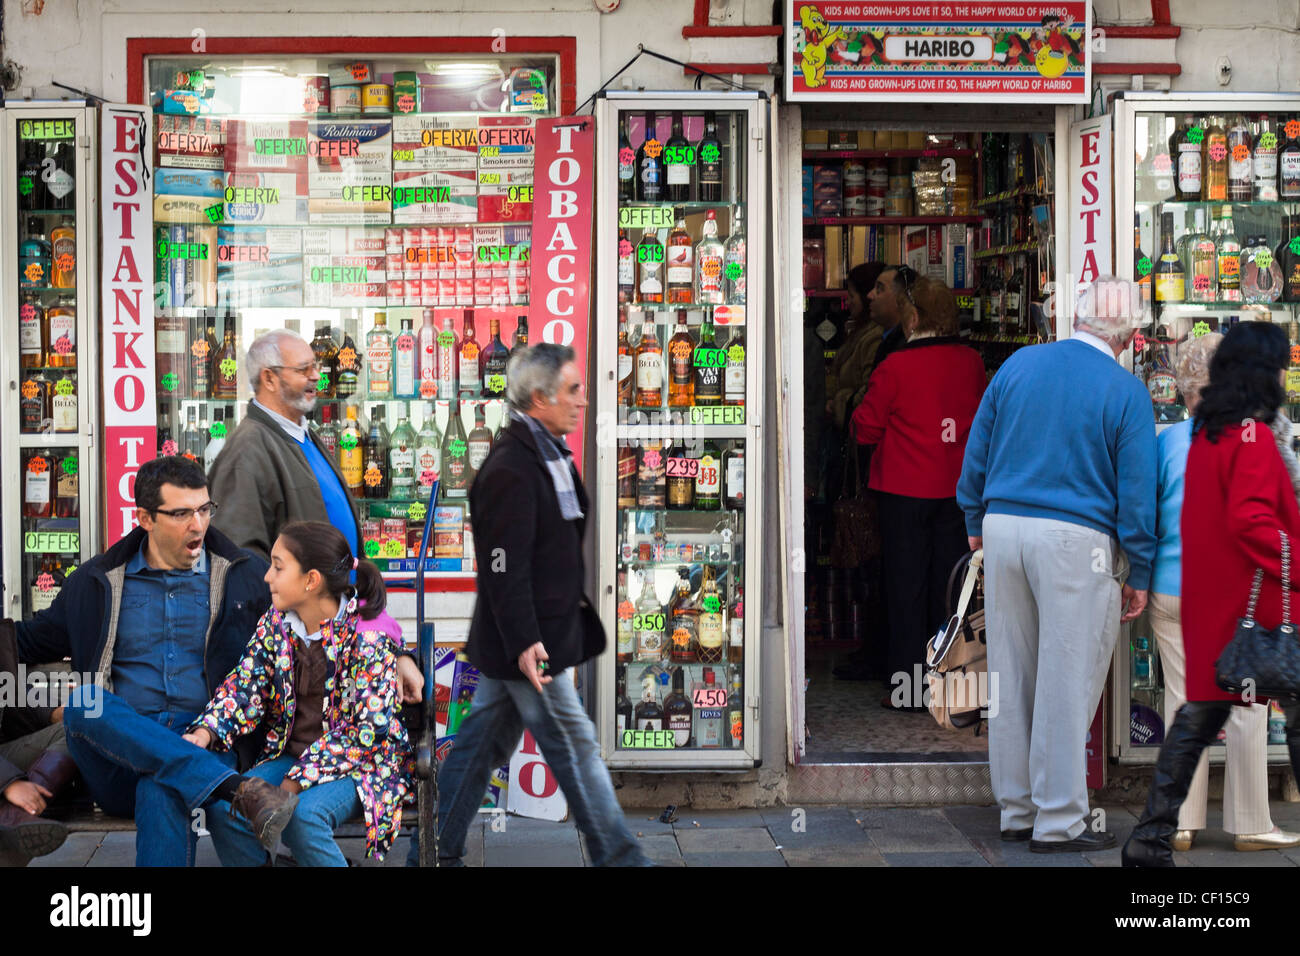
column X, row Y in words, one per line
column 709, row 697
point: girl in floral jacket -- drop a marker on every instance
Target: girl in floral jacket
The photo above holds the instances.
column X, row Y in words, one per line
column 322, row 683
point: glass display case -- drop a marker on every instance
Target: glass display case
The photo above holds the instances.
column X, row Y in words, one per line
column 679, row 391
column 382, row 210
column 49, row 351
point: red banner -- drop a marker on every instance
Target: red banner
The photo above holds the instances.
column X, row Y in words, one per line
column 564, row 182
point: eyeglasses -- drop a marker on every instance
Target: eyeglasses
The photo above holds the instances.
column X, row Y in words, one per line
column 183, row 515
column 908, row 276
column 310, row 370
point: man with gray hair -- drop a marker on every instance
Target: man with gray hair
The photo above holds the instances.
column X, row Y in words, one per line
column 531, row 620
column 1059, row 488
column 273, row 469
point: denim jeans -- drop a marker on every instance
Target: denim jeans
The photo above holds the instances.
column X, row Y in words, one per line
column 310, row 833
column 138, row 766
column 501, row 711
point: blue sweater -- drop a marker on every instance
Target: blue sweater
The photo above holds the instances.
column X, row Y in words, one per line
column 1172, row 446
column 337, row 504
column 1064, row 432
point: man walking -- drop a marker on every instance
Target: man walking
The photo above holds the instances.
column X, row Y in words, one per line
column 531, row 620
column 1059, row 488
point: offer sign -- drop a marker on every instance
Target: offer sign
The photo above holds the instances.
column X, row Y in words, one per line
column 938, row 51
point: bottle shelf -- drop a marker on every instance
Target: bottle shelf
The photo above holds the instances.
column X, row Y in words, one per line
column 667, row 564
column 690, row 205
column 892, row 220
column 47, row 289
column 677, row 306
column 1246, row 203
column 1217, row 305
column 936, row 151
column 49, row 439
column 1007, row 194
column 638, row 509
column 1006, row 250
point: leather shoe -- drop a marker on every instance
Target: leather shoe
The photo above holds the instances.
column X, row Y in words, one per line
column 268, row 809
column 1085, row 842
column 1017, row 836
column 1182, row 840
column 1274, row 840
column 24, row 835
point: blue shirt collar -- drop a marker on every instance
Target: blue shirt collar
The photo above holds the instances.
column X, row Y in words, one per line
column 138, row 564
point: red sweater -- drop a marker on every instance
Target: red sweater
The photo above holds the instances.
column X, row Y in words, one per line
column 918, row 410
column 1237, row 495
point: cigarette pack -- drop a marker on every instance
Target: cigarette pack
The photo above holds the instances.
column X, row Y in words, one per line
column 270, row 145
column 259, row 266
column 188, row 182
column 434, row 197
column 191, row 142
column 448, row 141
column 344, row 267
column 265, row 199
column 349, row 171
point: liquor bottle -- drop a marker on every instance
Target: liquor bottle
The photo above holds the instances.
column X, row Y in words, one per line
column 426, row 347
column 709, row 363
column 63, row 405
column 710, row 162
column 1201, row 263
column 733, row 259
column 1141, row 262
column 627, row 475
column 32, row 193
column 33, row 333
column 326, row 352
column 735, row 708
column 708, row 479
column 34, row 405
column 224, row 371
column 648, row 623
column 448, row 348
column 733, row 378
column 401, row 461
column 683, row 620
column 1261, row 274
column 63, row 254
column 1214, row 162
column 680, row 473
column 733, row 471
column 1161, row 383
column 648, row 716
column 166, row 443
column 1264, row 161
column 626, row 362
column 47, row 583
column 375, row 476
column 623, row 717
column 651, row 475
column 1241, row 179
column 328, row 433
column 1169, row 270
column 1293, row 369
column 1228, row 253
column 678, row 711
column 625, row 643
column 681, row 350
column 627, row 269
column 406, row 363
column 1185, row 150
column 626, row 164
column 710, row 734
column 679, row 157
column 649, row 369
column 67, row 485
column 467, row 365
column 34, row 256
column 680, row 272
column 455, row 456
column 1288, row 164
column 217, row 441
column 428, row 453
column 712, row 619
column 352, row 454
column 1289, row 261
column 379, row 359
column 650, row 269
column 348, row 363
column 736, row 628
column 709, row 264
column 201, row 441
column 479, row 441
column 520, row 339
column 38, row 496
column 494, row 358
column 650, row 164
column 62, row 318
column 57, row 171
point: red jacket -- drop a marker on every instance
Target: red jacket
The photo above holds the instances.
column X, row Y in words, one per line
column 1237, row 495
column 918, row 409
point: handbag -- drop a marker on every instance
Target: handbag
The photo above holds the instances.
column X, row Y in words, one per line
column 956, row 658
column 593, row 631
column 1265, row 663
column 857, row 522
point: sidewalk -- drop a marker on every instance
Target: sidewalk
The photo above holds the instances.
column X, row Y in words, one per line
column 831, row 836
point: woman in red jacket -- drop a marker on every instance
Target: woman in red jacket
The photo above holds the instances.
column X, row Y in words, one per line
column 917, row 412
column 1237, row 500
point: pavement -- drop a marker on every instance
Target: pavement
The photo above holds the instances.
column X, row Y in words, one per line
column 772, row 836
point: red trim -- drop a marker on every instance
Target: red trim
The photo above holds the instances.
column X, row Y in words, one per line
column 1158, row 32
column 1160, row 11
column 722, row 69
column 437, row 585
column 732, row 31
column 1132, row 69
column 137, row 48
column 701, row 13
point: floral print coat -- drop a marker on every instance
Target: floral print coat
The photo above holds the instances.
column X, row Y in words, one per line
column 363, row 736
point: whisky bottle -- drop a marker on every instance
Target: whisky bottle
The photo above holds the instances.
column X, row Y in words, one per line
column 680, row 270
column 348, row 363
column 467, row 364
column 708, row 479
column 376, row 475
column 1214, row 162
column 326, row 352
column 652, row 475
column 479, row 441
column 709, row 361
column 679, row 160
column 520, row 339
column 710, row 162
column 494, row 359
column 712, row 633
column 733, row 379
column 627, row 475
column 62, row 319
column 650, row 269
column 33, row 333
column 681, row 471
column 352, row 455
column 678, row 711
column 681, row 352
column 38, row 497
column 67, row 485
column 225, row 364
column 733, row 471
column 1227, row 250
column 649, row 369
column 684, row 620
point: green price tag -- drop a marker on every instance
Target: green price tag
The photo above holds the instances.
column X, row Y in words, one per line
column 496, row 383
column 67, row 572
column 711, row 604
column 228, row 368
column 25, row 185
column 1263, row 259
column 735, row 270
column 323, row 383
column 218, row 430
column 1144, row 267
column 536, row 81
column 170, row 381
column 394, row 549
column 417, row 511
column 71, row 465
column 1294, row 245
column 348, row 442
column 736, row 355
column 216, row 213
column 372, row 549
column 456, row 448
column 1199, row 329
column 1268, row 141
column 710, row 153
column 64, row 386
column 1195, row 135
column 446, row 338
column 648, row 622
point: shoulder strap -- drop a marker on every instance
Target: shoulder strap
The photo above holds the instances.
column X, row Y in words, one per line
column 968, row 588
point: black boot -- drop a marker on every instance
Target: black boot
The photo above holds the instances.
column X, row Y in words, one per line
column 1195, row 726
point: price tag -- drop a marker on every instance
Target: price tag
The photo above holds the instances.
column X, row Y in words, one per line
column 45, row 581
column 228, row 367
column 347, row 358
column 169, row 382
column 372, row 549
column 30, row 389
column 169, row 448
column 539, row 101
column 394, row 549
column 626, row 156
column 417, row 511
column 1200, row 329
column 496, row 383
column 373, row 476
column 1263, row 259
column 360, row 71
column 323, row 383
column 1201, row 283
column 405, row 103
column 712, row 604
column 1295, row 355
column 63, row 345
column 200, row 348
column 652, row 458
column 70, row 465
column 37, row 465
column 648, row 622
column 27, row 311
column 67, row 571
column 348, row 442
column 647, row 740
column 1144, row 267
column 64, row 386
column 624, row 250
column 1218, row 152
column 1292, row 129
column 735, row 270
column 653, row 148
column 1161, row 163
column 1241, row 152
column 683, row 467
column 34, row 272
column 1139, row 342
column 710, row 153
column 710, row 697
column 218, row 430
column 711, row 268
column 456, row 448
column 1267, row 141
column 65, row 262
column 736, row 355
column 626, row 611
column 25, row 185
column 446, row 338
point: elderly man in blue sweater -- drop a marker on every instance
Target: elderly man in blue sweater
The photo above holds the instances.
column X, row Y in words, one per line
column 1059, row 489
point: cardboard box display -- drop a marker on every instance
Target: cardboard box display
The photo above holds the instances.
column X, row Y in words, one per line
column 191, row 142
column 834, row 257
column 842, row 139
column 867, row 139
column 443, row 142
column 259, row 267
column 267, row 145
column 209, row 184
column 815, row 138
column 344, row 267
column 268, row 199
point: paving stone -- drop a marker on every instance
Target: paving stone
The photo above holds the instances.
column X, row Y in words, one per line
column 729, row 819
column 77, row 850
column 117, row 849
column 722, row 841
column 998, row 853
column 646, row 821
column 912, row 830
column 975, row 822
column 1234, row 858
column 821, row 827
column 517, row 831
column 734, row 859
column 662, row 850
column 954, row 858
column 865, row 855
column 533, row 855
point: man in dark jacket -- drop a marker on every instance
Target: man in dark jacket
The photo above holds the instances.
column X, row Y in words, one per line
column 531, row 621
column 154, row 625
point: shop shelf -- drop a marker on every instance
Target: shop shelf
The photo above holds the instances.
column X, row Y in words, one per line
column 886, row 153
column 70, row 213
column 1007, row 194
column 1006, row 250
column 50, row 440
column 1238, row 306
column 892, row 220
column 45, row 289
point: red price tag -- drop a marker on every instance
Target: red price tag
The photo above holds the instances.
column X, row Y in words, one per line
column 359, row 71
column 27, row 312
column 710, row 697
column 626, row 611
column 37, row 465
column 405, row 103
column 65, row 262
column 652, row 458
column 626, row 157
column 1218, row 152
column 1161, row 163
column 1201, row 283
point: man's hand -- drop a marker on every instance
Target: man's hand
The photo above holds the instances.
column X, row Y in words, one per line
column 1133, row 602
column 975, row 541
column 27, row 796
column 200, row 738
column 410, row 682
column 528, row 662
column 57, row 716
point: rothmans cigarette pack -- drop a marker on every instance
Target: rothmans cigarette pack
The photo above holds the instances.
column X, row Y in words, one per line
column 350, row 171
column 343, row 267
column 259, row 267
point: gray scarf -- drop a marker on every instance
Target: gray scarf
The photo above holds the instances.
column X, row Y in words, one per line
column 558, row 460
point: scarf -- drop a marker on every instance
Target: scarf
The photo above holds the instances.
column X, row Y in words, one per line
column 558, row 460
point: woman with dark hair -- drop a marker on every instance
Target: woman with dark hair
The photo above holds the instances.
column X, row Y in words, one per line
column 1238, row 500
column 321, row 681
column 847, row 379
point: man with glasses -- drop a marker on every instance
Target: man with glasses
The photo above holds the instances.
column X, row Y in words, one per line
column 159, row 620
column 273, row 469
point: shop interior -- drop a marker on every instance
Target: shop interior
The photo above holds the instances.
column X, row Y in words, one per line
column 965, row 197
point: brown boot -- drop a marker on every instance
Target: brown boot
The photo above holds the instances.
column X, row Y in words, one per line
column 52, row 770
column 268, row 809
column 24, row 835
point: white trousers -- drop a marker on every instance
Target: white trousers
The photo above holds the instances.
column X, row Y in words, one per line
column 1052, row 603
column 1245, row 782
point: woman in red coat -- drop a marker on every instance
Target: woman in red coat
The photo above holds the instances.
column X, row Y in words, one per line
column 1238, row 496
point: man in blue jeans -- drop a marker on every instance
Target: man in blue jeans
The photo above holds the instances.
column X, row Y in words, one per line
column 531, row 621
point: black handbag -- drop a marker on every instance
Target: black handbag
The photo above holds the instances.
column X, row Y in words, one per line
column 593, row 631
column 1259, row 662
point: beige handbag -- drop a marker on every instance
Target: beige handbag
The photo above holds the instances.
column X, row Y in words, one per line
column 956, row 658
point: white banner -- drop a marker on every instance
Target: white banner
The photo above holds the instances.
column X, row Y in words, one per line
column 1092, row 230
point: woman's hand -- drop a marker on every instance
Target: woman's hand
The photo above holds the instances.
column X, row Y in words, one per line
column 201, row 738
column 410, row 682
column 290, row 786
